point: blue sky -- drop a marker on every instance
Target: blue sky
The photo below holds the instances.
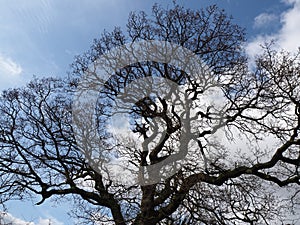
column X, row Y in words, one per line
column 41, row 38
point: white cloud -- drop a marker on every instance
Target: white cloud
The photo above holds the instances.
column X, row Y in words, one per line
column 264, row 19
column 7, row 218
column 51, row 221
column 289, row 1
column 288, row 37
column 9, row 67
column 10, row 72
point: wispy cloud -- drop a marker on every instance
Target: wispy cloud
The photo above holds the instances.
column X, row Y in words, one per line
column 23, row 26
column 38, row 15
column 36, row 33
column 264, row 19
column 51, row 221
column 287, row 37
column 10, row 72
column 9, row 67
column 7, row 218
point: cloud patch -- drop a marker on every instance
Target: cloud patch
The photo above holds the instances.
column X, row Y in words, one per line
column 7, row 218
column 263, row 20
column 9, row 67
column 10, row 72
column 287, row 37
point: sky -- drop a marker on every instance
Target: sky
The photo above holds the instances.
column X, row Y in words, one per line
column 41, row 37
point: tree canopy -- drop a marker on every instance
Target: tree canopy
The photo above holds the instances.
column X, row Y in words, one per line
column 239, row 163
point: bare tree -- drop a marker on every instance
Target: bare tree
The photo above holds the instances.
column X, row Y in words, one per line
column 228, row 180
